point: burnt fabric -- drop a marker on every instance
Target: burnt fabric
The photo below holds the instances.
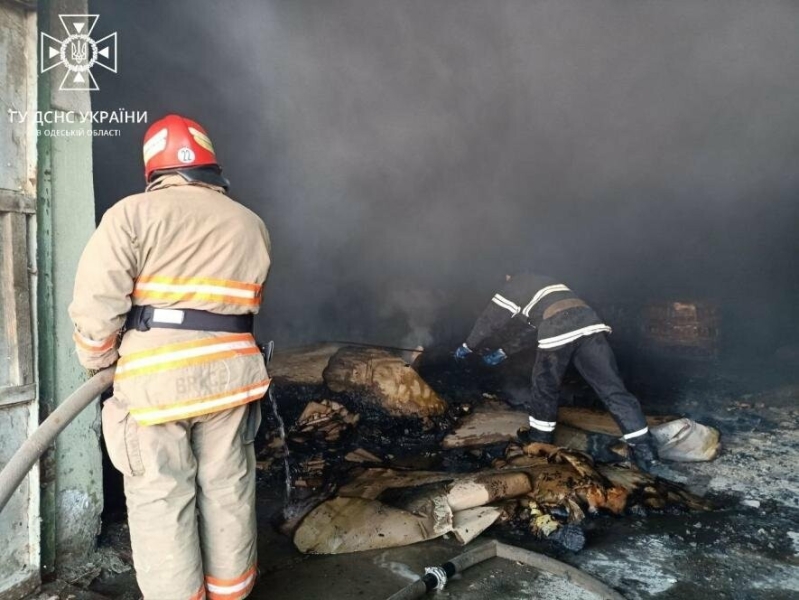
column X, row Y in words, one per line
column 533, row 303
column 594, row 360
column 190, row 490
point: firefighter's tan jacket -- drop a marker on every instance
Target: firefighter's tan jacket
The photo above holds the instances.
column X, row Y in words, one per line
column 177, row 245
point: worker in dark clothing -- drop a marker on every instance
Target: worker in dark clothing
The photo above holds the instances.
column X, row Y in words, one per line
column 567, row 330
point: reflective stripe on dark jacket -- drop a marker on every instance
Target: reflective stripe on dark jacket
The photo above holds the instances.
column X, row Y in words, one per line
column 559, row 316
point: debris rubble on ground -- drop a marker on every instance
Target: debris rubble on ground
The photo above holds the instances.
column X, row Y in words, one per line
column 678, row 439
column 379, row 457
column 539, row 487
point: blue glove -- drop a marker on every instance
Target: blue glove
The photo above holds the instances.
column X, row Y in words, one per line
column 462, row 352
column 494, row 358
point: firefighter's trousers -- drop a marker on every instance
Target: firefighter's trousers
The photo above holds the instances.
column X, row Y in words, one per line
column 593, row 358
column 190, row 490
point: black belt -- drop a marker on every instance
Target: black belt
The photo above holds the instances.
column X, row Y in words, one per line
column 144, row 318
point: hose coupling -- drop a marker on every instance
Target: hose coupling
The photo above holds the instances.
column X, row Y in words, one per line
column 440, row 577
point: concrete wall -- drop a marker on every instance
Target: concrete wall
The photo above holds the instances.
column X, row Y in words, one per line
column 72, row 475
column 19, row 409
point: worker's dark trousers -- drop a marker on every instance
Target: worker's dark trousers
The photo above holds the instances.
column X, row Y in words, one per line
column 594, row 360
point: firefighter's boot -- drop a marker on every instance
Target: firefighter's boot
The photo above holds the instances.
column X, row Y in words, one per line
column 643, row 452
column 530, row 435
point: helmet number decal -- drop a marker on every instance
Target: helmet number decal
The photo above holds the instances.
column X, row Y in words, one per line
column 186, row 155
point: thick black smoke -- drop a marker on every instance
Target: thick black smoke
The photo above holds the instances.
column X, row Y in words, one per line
column 405, row 153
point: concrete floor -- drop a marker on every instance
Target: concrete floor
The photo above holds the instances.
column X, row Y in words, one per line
column 747, row 550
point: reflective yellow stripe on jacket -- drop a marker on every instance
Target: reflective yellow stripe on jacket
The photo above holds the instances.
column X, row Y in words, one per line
column 89, row 345
column 184, row 354
column 188, row 289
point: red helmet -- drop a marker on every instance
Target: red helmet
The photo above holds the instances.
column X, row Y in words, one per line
column 176, row 142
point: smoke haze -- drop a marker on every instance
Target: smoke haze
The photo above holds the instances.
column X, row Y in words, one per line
column 406, row 153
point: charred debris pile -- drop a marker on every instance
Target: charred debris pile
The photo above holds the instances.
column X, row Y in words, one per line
column 384, row 450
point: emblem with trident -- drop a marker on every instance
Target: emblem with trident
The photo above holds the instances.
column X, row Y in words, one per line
column 78, row 52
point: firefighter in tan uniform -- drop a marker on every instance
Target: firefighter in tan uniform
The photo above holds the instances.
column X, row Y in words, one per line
column 180, row 269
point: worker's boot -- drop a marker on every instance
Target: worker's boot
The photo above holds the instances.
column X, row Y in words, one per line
column 530, row 435
column 643, row 451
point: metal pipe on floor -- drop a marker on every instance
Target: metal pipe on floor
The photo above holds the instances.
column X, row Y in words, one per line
column 32, row 449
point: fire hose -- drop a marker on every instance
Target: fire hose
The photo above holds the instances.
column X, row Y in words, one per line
column 435, row 578
column 23, row 460
column 418, row 350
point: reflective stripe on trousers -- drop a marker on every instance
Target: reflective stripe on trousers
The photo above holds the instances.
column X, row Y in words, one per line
column 595, row 361
column 230, row 589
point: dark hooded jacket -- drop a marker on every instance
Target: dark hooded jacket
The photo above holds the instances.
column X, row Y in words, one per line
column 528, row 303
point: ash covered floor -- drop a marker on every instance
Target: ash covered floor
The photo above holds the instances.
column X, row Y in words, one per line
column 748, row 549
